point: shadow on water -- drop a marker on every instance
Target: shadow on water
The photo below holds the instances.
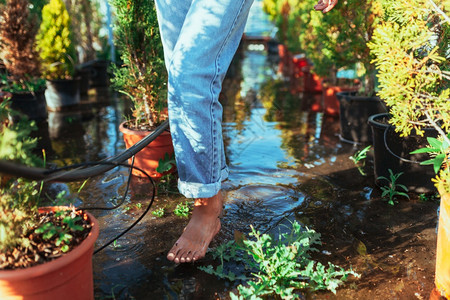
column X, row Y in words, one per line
column 286, row 162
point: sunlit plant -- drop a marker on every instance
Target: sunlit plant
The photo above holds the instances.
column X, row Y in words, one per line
column 393, row 189
column 359, row 158
column 182, row 209
column 159, row 212
column 277, row 267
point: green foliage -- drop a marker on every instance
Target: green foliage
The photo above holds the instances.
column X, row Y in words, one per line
column 18, row 198
column 332, row 41
column 55, row 42
column 182, row 209
column 61, row 234
column 360, row 156
column 166, row 164
column 411, row 50
column 143, row 76
column 391, row 191
column 27, row 85
column 439, row 150
column 158, row 212
column 279, row 267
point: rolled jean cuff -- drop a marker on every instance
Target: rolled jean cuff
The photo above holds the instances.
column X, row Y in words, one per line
column 202, row 190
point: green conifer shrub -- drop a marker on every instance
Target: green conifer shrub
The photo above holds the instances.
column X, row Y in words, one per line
column 55, row 42
column 412, row 55
column 143, row 76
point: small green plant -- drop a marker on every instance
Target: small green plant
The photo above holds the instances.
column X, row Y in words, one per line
column 166, row 164
column 182, row 209
column 439, row 150
column 61, row 233
column 158, row 212
column 278, row 267
column 360, row 156
column 138, row 205
column 391, row 191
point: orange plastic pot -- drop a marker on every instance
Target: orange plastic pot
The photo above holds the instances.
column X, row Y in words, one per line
column 442, row 279
column 329, row 99
column 68, row 277
column 148, row 158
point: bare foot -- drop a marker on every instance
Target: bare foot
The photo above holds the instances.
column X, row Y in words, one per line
column 199, row 232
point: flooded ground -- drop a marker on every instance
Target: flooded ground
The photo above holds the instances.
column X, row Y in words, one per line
column 286, row 163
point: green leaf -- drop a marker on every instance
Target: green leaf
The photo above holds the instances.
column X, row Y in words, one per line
column 434, row 143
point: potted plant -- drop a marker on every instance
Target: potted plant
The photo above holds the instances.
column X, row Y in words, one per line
column 58, row 56
column 142, row 78
column 411, row 50
column 46, row 253
column 17, row 51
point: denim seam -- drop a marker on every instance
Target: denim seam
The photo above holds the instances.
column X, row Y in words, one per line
column 211, row 89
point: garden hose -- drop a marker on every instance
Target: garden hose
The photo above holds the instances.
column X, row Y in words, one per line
column 34, row 173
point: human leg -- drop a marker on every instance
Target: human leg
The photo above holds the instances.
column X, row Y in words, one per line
column 197, row 63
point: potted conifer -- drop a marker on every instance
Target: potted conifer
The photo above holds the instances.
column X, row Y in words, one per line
column 411, row 50
column 142, row 78
column 22, row 77
column 58, row 56
column 45, row 253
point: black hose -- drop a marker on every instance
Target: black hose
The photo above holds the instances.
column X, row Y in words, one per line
column 18, row 170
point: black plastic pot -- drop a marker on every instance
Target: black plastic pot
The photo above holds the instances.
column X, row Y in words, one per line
column 99, row 76
column 393, row 152
column 30, row 104
column 62, row 93
column 85, row 76
column 354, row 113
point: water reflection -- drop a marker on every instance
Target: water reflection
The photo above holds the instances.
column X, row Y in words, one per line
column 270, row 136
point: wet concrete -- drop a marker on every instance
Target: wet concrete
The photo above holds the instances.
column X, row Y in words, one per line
column 286, row 162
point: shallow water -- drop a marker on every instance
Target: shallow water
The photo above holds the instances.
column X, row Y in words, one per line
column 286, row 162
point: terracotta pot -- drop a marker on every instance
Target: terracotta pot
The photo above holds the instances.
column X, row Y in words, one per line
column 148, row 158
column 442, row 278
column 330, row 101
column 68, row 277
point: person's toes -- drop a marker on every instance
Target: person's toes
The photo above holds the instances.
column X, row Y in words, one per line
column 189, row 257
column 173, row 252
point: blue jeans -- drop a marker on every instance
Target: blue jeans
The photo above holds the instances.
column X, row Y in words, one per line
column 200, row 38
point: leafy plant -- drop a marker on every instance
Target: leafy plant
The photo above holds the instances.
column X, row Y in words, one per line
column 19, row 198
column 411, row 55
column 279, row 267
column 61, row 234
column 55, row 42
column 182, row 209
column 337, row 40
column 17, row 48
column 360, row 156
column 166, row 164
column 391, row 191
column 159, row 212
column 143, row 75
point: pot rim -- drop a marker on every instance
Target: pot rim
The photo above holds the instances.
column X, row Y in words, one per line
column 51, row 266
column 347, row 95
column 143, row 133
